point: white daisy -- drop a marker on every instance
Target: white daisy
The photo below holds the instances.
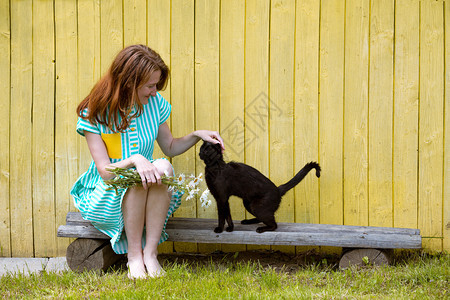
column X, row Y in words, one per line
column 205, row 202
column 204, row 196
column 181, row 179
column 192, row 184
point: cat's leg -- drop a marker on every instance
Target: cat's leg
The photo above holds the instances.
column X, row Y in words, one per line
column 230, row 227
column 270, row 223
column 223, row 209
column 221, row 219
column 250, row 221
column 249, row 209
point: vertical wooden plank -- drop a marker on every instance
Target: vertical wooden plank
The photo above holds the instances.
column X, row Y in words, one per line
column 446, row 179
column 381, row 81
column 111, row 32
column 182, row 92
column 158, row 37
column 5, row 86
column 232, row 38
column 406, row 113
column 159, row 31
column 281, row 94
column 88, row 19
column 356, row 112
column 43, row 135
column 306, row 109
column 331, row 87
column 134, row 22
column 306, row 134
column 431, row 122
column 21, row 130
column 88, row 64
column 206, row 86
column 66, row 145
column 256, row 68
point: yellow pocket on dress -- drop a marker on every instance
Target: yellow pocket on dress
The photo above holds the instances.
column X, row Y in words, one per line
column 113, row 142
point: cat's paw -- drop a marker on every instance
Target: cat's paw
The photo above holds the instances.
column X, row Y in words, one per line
column 230, row 228
column 218, row 230
column 260, row 229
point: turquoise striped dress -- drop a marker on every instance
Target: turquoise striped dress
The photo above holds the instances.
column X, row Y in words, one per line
column 103, row 207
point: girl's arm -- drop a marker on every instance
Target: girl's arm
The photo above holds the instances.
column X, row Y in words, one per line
column 144, row 167
column 171, row 146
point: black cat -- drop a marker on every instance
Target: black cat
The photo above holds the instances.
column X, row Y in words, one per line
column 261, row 196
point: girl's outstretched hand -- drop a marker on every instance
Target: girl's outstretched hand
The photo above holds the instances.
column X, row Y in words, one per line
column 210, row 136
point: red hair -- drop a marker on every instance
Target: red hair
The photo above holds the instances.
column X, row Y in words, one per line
column 111, row 100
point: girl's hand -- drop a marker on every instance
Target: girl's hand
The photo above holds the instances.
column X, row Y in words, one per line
column 148, row 172
column 210, row 136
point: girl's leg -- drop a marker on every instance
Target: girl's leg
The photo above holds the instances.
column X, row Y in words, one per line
column 158, row 200
column 133, row 206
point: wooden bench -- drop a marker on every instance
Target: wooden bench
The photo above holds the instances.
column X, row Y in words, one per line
column 92, row 250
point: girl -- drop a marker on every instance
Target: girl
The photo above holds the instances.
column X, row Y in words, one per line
column 121, row 118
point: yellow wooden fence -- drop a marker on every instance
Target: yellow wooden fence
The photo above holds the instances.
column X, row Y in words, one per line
column 361, row 86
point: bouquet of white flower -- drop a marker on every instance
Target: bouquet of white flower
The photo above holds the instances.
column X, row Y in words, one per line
column 126, row 178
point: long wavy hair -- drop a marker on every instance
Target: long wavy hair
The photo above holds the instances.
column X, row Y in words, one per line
column 111, row 100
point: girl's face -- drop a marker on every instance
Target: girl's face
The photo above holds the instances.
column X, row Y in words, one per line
column 149, row 88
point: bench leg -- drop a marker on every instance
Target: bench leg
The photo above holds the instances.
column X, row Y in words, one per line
column 365, row 257
column 90, row 254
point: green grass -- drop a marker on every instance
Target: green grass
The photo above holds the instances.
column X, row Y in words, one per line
column 415, row 276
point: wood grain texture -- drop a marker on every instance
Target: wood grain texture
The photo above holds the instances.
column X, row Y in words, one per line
column 75, row 219
column 256, row 68
column 331, row 88
column 182, row 93
column 406, row 113
column 431, row 122
column 356, row 205
column 364, row 258
column 5, row 99
column 21, row 205
column 306, row 105
column 281, row 105
column 134, row 22
column 306, row 108
column 201, row 231
column 446, row 175
column 66, row 145
column 111, row 32
column 43, row 148
column 232, row 91
column 90, row 255
column 381, row 105
column 207, row 115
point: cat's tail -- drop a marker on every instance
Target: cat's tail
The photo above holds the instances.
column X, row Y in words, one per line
column 300, row 175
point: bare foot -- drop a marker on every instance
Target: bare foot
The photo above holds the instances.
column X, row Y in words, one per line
column 136, row 269
column 154, row 269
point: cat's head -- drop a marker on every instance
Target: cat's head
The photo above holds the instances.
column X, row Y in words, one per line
column 211, row 153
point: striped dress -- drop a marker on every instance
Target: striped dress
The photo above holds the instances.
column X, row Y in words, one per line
column 103, row 207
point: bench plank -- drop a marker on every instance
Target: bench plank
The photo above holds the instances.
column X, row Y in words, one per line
column 74, row 218
column 80, row 231
column 294, row 234
column 353, row 240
